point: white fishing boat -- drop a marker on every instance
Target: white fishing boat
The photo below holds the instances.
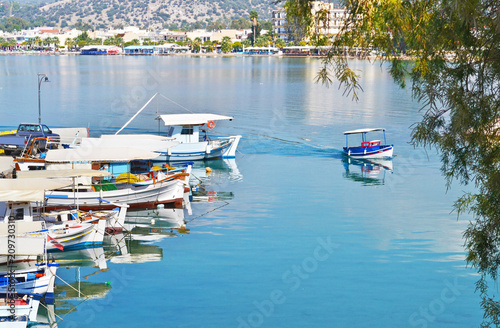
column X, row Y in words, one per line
column 24, row 310
column 114, row 180
column 135, row 196
column 18, row 302
column 194, row 143
column 67, row 235
column 21, row 210
column 74, row 235
column 40, row 280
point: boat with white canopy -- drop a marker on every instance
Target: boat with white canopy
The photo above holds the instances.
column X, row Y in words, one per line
column 368, row 149
column 194, row 143
column 22, row 211
column 109, row 176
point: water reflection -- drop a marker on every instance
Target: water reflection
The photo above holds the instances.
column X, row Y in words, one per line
column 220, row 170
column 370, row 172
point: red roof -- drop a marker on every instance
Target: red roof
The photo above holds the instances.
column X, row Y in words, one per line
column 50, row 31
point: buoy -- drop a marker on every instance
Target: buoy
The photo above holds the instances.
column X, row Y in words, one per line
column 153, row 221
column 108, row 283
column 209, row 170
column 211, row 124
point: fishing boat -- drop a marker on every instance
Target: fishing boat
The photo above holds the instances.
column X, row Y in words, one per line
column 140, row 195
column 368, row 149
column 21, row 289
column 114, row 179
column 74, row 235
column 24, row 310
column 22, row 209
column 39, row 280
column 194, row 142
column 62, row 235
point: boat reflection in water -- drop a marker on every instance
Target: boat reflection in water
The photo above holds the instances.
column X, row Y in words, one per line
column 370, row 172
column 221, row 170
column 154, row 225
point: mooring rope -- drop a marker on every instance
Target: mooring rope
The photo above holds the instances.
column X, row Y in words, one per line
column 76, row 290
column 50, row 311
column 213, row 210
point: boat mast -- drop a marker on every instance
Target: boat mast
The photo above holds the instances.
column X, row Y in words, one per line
column 135, row 115
column 157, row 116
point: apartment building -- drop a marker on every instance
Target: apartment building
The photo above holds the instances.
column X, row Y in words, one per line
column 335, row 17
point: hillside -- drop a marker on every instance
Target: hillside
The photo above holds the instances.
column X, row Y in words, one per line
column 143, row 13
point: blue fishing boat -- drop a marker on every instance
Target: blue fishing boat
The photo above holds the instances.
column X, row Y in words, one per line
column 368, row 149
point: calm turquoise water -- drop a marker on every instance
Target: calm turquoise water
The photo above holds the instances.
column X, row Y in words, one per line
column 305, row 238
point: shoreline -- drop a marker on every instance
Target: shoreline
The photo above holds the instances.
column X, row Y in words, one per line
column 17, row 53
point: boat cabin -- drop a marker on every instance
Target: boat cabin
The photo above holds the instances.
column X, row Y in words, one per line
column 24, row 211
column 185, row 133
column 185, row 128
column 19, row 211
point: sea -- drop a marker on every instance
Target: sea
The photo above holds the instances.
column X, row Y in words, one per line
column 288, row 234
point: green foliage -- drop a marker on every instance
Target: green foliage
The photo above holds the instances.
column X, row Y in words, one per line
column 319, row 40
column 263, row 41
column 299, row 18
column 226, row 44
column 215, row 26
column 280, row 43
column 240, row 24
column 208, row 46
column 15, row 23
column 237, row 46
column 266, row 25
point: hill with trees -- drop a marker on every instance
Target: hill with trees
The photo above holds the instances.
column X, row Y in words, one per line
column 173, row 14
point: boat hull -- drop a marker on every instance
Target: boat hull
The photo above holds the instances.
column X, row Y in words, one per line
column 43, row 285
column 369, row 152
column 218, row 148
column 73, row 235
column 136, row 196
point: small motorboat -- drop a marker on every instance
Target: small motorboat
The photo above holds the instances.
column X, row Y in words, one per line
column 368, row 148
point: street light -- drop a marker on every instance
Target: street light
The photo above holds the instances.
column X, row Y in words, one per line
column 41, row 78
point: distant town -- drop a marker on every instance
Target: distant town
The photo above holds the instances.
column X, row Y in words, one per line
column 277, row 36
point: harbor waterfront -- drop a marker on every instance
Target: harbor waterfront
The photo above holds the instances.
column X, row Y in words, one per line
column 288, row 234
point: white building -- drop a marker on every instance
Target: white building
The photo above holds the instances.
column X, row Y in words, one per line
column 334, row 22
column 202, row 34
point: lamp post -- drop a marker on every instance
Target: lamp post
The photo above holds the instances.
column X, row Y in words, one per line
column 41, row 78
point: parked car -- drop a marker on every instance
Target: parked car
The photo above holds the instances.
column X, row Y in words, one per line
column 39, row 134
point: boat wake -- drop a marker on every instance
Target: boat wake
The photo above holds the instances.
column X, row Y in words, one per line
column 258, row 144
